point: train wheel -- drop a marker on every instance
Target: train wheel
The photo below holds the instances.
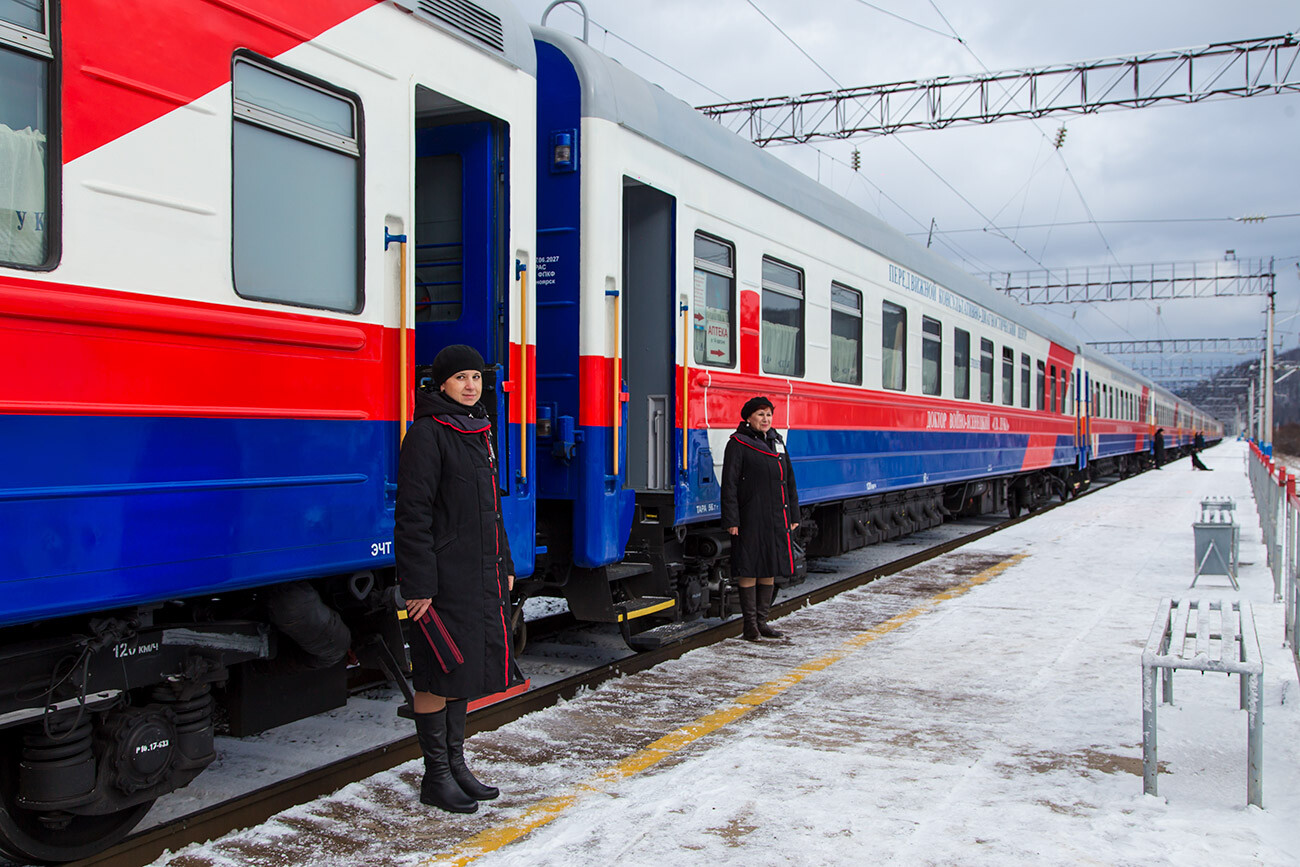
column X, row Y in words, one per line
column 1013, row 504
column 518, row 629
column 30, row 836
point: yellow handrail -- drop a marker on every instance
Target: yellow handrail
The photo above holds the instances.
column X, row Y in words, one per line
column 403, row 373
column 523, row 375
column 686, row 398
column 618, row 373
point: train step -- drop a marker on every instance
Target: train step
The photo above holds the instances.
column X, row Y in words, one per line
column 653, row 639
column 619, row 571
column 631, row 609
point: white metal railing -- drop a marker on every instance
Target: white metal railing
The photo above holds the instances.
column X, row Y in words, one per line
column 1274, row 490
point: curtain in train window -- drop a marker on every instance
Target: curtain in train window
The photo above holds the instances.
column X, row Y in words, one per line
column 893, row 346
column 25, row 61
column 715, row 289
column 846, row 335
column 297, row 172
column 931, row 355
column 986, row 370
column 961, row 364
column 782, row 337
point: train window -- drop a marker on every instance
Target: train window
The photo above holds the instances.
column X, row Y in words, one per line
column 297, row 179
column 1026, row 381
column 961, row 364
column 782, row 338
column 1008, row 376
column 986, row 370
column 1053, row 378
column 29, row 193
column 715, row 291
column 1065, row 381
column 893, row 346
column 931, row 355
column 846, row 334
column 1041, row 391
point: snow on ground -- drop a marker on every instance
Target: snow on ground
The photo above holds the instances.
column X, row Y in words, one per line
column 923, row 719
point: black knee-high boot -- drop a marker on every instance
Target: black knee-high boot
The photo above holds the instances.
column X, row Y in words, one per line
column 463, row 776
column 764, row 602
column 439, row 788
column 749, row 613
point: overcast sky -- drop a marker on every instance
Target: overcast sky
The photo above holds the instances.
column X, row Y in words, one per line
column 1231, row 158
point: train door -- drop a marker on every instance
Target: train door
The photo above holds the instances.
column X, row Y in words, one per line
column 648, row 318
column 459, row 244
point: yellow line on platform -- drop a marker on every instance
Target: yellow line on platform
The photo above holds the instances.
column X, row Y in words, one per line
column 545, row 811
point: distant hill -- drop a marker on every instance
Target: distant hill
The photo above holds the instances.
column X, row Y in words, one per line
column 1286, row 394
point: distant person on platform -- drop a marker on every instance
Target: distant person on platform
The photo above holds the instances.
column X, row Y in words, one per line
column 1198, row 444
column 760, row 509
column 1158, row 445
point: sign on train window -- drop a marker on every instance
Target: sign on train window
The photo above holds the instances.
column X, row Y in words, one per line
column 297, row 180
column 961, row 364
column 27, row 182
column 931, row 355
column 782, row 338
column 893, row 346
column 986, row 370
column 846, row 334
column 714, row 307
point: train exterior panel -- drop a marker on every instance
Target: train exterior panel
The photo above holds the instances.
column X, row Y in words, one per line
column 178, row 435
column 238, row 232
column 649, row 183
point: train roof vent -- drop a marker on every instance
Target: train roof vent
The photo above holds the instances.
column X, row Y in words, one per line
column 468, row 19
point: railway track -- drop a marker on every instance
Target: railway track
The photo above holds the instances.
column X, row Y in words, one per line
column 259, row 805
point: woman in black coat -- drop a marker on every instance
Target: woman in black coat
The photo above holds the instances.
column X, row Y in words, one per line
column 454, row 566
column 760, row 509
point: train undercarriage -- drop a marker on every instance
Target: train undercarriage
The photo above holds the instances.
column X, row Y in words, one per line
column 100, row 716
column 675, row 574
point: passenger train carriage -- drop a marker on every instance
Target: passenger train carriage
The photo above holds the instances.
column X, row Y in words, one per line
column 234, row 233
column 684, row 271
column 207, row 352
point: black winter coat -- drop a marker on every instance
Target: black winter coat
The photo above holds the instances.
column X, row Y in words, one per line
column 759, row 497
column 450, row 544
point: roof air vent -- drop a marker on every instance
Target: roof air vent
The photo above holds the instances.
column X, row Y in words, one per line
column 469, row 19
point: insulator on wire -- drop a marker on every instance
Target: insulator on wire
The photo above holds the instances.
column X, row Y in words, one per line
column 1060, row 137
column 856, row 159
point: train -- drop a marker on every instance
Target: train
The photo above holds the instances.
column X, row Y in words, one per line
column 233, row 235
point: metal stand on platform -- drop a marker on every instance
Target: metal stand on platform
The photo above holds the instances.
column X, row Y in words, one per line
column 1204, row 635
column 1217, row 540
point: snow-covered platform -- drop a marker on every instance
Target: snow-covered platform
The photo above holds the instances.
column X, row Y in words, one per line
column 983, row 708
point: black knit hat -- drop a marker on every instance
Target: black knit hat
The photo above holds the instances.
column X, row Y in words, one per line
column 452, row 360
column 753, row 405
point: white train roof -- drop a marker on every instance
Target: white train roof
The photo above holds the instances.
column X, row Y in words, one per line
column 611, row 92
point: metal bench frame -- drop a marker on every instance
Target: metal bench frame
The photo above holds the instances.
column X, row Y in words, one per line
column 1181, row 638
